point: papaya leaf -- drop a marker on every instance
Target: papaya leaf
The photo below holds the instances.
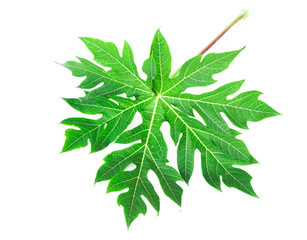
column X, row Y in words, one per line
column 116, row 94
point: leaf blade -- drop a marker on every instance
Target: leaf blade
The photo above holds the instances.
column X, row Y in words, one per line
column 119, row 93
column 163, row 61
column 122, row 68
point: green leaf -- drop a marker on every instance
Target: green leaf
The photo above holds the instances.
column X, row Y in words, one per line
column 100, row 132
column 95, row 75
column 160, row 99
column 123, row 68
column 198, row 73
column 149, row 68
column 150, row 154
column 163, row 61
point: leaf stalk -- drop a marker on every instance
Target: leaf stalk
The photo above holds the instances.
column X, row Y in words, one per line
column 242, row 15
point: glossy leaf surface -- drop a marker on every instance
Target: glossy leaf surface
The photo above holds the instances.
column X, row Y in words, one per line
column 158, row 99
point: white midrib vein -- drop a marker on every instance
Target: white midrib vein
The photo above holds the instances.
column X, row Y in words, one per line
column 213, row 103
column 143, row 157
column 96, row 106
column 207, row 166
column 109, row 78
column 107, row 121
column 162, row 175
column 201, row 142
column 217, row 126
column 208, row 116
column 128, row 70
column 120, row 162
column 205, row 66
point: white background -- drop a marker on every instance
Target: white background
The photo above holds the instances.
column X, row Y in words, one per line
column 47, row 195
